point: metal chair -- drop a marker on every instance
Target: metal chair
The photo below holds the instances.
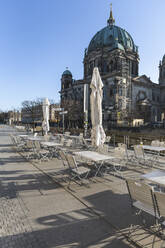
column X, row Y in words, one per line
column 76, row 171
column 160, row 206
column 41, row 153
column 155, row 143
column 29, row 149
column 63, row 158
column 107, row 139
column 120, row 159
column 142, row 197
column 142, row 158
column 103, row 149
column 69, row 143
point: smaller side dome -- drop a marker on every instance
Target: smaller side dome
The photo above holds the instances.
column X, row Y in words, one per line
column 67, row 72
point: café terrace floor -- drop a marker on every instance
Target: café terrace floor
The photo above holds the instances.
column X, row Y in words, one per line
column 39, row 210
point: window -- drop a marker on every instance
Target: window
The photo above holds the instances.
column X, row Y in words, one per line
column 111, row 92
column 153, row 96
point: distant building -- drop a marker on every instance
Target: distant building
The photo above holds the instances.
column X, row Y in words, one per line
column 127, row 97
column 13, row 117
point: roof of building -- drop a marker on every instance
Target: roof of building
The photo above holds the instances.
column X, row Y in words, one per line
column 113, row 37
column 66, row 72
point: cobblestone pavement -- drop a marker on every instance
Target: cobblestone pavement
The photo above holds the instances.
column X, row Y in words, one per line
column 36, row 212
column 15, row 229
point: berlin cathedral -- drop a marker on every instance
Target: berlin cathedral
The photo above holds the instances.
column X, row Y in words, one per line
column 128, row 98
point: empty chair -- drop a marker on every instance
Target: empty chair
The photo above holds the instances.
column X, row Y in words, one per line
column 63, row 157
column 141, row 157
column 162, row 143
column 46, row 137
column 139, row 154
column 103, row 149
column 20, row 144
column 35, row 134
column 77, row 171
column 67, row 133
column 141, row 196
column 160, row 206
column 120, row 158
column 62, row 141
column 41, row 153
column 68, row 143
column 107, row 139
column 155, row 143
column 29, row 149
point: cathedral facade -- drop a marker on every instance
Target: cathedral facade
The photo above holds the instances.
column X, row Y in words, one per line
column 128, row 99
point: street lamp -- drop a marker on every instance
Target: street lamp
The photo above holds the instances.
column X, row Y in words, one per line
column 63, row 114
column 85, row 109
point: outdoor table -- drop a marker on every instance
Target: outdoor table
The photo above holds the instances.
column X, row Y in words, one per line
column 50, row 144
column 96, row 157
column 37, row 138
column 154, row 148
column 156, row 176
column 23, row 135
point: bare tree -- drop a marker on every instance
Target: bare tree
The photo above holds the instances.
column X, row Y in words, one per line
column 32, row 111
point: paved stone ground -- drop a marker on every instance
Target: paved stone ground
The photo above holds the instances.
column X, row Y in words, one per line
column 37, row 212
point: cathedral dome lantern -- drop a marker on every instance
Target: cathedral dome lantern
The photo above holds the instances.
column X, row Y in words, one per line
column 163, row 60
column 162, row 71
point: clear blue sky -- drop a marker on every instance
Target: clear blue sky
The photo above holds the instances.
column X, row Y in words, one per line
column 39, row 38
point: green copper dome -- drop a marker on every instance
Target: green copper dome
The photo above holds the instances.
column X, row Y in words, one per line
column 112, row 37
column 66, row 72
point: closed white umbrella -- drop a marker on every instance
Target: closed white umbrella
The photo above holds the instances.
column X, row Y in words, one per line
column 97, row 132
column 45, row 109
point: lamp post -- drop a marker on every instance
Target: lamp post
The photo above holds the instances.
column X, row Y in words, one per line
column 85, row 109
column 63, row 114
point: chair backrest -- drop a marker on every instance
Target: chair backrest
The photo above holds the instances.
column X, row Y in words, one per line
column 162, row 143
column 71, row 161
column 107, row 139
column 81, row 135
column 37, row 145
column 140, row 192
column 155, row 143
column 29, row 144
column 67, row 133
column 63, row 157
column 85, row 143
column 122, row 145
column 13, row 139
column 68, row 143
column 46, row 137
column 103, row 149
column 62, row 141
column 120, row 153
column 139, row 152
column 160, row 203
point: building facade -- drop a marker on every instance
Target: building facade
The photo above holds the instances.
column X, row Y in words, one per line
column 128, row 99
